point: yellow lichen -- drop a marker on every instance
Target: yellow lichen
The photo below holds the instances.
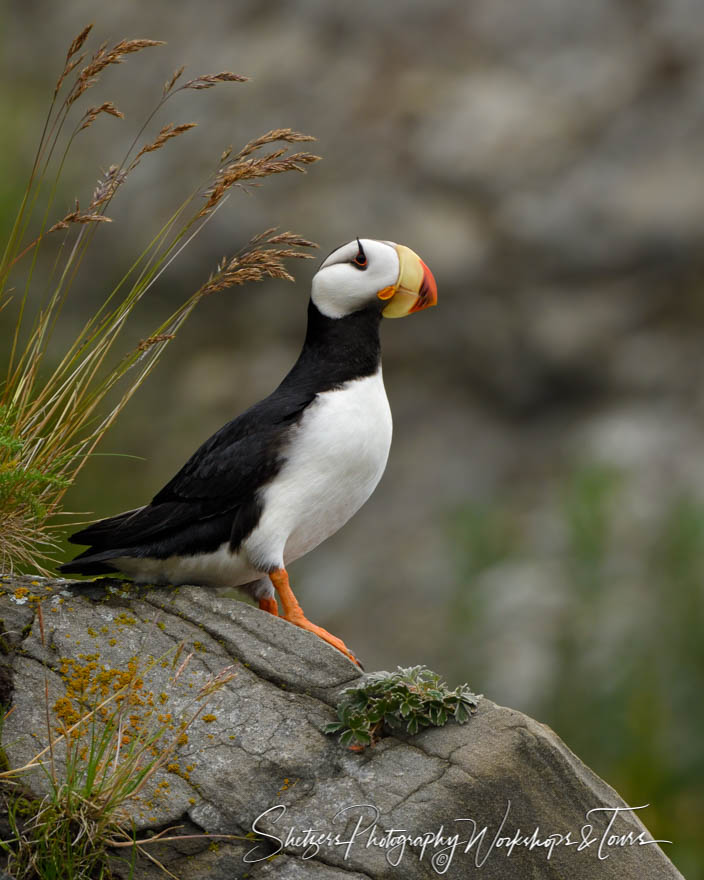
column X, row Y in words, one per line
column 66, row 712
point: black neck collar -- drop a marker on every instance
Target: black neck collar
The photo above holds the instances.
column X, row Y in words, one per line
column 337, row 350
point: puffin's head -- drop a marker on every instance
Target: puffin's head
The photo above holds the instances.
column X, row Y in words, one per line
column 365, row 271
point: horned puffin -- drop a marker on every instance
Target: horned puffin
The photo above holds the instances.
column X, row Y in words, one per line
column 288, row 472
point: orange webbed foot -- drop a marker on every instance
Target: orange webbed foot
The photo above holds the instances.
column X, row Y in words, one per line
column 294, row 614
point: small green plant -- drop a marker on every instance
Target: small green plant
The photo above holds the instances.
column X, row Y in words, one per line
column 413, row 698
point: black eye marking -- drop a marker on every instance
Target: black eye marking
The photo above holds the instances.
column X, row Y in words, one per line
column 360, row 261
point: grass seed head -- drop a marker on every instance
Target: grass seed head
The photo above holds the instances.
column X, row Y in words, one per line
column 72, row 62
column 167, row 132
column 169, row 84
column 107, row 186
column 102, row 58
column 258, row 261
column 91, row 115
column 207, row 81
column 154, row 340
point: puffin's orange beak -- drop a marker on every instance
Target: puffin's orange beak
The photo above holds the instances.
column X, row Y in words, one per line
column 415, row 289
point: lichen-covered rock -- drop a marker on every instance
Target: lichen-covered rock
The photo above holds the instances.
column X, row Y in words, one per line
column 501, row 792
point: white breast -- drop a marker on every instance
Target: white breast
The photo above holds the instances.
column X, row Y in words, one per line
column 334, row 462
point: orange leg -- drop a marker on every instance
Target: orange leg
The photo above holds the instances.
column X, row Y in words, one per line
column 270, row 606
column 294, row 613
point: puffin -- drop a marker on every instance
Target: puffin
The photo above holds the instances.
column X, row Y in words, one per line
column 291, row 470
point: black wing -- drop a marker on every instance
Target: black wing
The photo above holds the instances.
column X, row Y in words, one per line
column 213, row 498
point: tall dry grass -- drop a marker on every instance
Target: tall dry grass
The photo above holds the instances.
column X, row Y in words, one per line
column 54, row 414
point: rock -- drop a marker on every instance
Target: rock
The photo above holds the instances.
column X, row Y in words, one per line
column 256, row 760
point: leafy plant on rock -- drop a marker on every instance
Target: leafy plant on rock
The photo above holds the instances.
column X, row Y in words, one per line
column 413, row 697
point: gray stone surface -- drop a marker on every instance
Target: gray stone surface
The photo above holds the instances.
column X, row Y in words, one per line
column 257, row 755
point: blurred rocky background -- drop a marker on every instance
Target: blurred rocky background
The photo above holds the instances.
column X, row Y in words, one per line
column 540, row 527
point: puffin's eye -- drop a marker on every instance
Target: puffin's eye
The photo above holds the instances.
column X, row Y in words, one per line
column 360, row 261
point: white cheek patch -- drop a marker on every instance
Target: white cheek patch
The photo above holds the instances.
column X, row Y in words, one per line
column 334, row 297
column 340, row 288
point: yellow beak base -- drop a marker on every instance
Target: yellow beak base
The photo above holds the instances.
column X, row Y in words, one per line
column 415, row 289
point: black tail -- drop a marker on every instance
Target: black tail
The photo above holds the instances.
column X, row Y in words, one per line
column 90, row 563
column 103, row 530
